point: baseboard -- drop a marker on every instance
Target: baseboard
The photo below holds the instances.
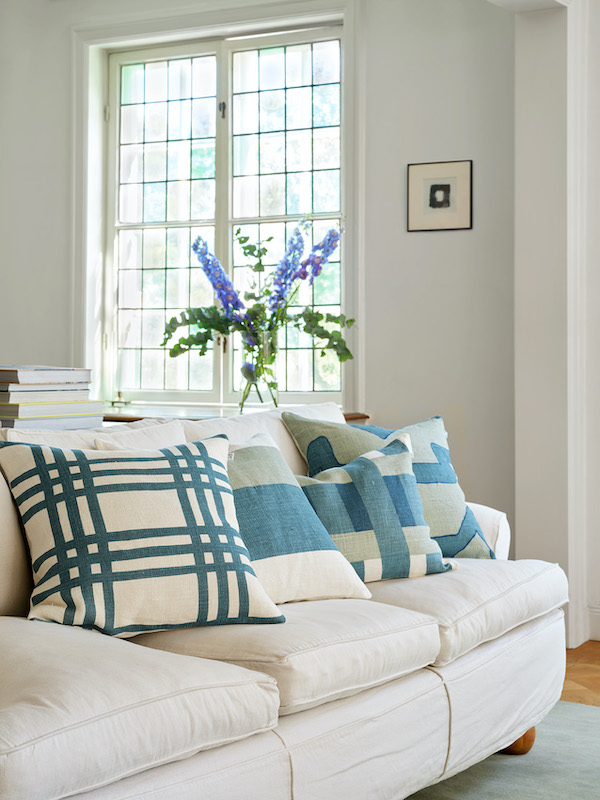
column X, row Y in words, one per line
column 594, row 617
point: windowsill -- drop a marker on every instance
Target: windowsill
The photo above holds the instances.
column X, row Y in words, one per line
column 132, row 412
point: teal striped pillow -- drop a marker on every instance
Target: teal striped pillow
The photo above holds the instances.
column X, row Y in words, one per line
column 372, row 510
column 125, row 542
column 292, row 554
column 452, row 523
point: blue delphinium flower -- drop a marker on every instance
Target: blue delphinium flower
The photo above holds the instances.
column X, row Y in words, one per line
column 226, row 294
column 250, row 337
column 287, row 271
column 319, row 256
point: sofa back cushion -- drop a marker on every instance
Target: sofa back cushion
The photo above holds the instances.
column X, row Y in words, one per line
column 15, row 569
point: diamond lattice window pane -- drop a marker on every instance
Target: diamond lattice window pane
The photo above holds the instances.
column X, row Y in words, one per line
column 131, row 202
column 203, row 117
column 299, row 152
column 155, row 122
column 156, row 81
column 153, row 291
column 132, row 124
column 178, row 163
column 154, row 248
column 299, row 65
column 272, row 152
column 203, row 158
column 177, row 288
column 130, row 249
column 130, row 288
column 132, row 84
column 180, row 119
column 272, row 68
column 326, row 62
column 180, row 79
column 245, row 155
column 155, row 162
column 245, row 71
column 204, row 76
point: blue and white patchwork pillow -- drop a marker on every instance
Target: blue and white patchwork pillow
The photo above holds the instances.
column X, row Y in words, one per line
column 452, row 523
column 130, row 541
column 292, row 553
column 373, row 512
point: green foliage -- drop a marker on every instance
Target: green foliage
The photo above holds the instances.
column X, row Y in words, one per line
column 321, row 328
column 254, row 251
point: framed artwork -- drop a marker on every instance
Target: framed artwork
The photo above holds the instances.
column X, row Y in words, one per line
column 440, row 196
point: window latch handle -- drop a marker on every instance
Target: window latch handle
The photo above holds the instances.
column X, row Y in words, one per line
column 222, row 108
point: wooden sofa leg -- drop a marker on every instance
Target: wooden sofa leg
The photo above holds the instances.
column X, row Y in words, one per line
column 522, row 745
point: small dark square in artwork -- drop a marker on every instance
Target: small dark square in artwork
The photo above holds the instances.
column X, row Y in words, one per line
column 439, row 195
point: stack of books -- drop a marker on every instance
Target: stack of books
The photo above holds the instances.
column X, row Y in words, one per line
column 47, row 398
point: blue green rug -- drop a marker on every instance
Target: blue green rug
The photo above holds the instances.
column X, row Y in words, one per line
column 564, row 764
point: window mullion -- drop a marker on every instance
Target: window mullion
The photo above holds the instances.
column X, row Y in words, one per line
column 223, row 169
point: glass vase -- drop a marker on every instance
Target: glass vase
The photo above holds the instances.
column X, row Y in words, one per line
column 258, row 371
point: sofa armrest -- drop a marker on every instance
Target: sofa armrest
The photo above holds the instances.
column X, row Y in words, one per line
column 495, row 528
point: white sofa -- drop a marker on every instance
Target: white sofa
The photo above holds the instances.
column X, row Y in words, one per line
column 348, row 699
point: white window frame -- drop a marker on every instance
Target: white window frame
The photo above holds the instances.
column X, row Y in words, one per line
column 109, row 368
column 91, row 44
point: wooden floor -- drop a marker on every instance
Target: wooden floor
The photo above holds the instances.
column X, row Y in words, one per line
column 582, row 684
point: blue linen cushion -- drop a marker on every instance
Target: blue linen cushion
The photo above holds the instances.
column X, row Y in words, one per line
column 130, row 541
column 292, row 553
column 451, row 521
column 373, row 512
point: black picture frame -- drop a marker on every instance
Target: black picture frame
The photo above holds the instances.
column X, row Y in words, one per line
column 439, row 196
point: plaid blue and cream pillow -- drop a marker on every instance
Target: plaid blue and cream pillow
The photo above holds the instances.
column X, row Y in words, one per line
column 130, row 541
column 452, row 523
column 372, row 510
column 292, row 553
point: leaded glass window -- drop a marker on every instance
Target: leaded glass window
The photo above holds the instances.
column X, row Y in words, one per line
column 192, row 158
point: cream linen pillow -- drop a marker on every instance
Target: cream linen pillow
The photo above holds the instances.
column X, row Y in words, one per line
column 81, row 439
column 242, row 427
column 150, row 437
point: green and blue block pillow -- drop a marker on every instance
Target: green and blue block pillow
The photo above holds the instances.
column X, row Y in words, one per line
column 374, row 514
column 328, row 445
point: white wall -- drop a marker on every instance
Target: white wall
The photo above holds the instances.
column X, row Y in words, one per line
column 541, row 287
column 438, row 306
column 593, row 318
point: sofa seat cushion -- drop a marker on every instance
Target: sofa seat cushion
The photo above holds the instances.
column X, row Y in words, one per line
column 80, row 710
column 327, row 649
column 479, row 601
